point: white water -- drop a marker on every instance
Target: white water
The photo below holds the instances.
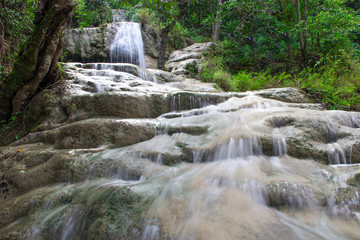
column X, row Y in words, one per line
column 231, row 186
column 128, row 47
column 238, row 179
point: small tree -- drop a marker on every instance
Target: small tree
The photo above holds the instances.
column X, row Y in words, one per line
column 168, row 12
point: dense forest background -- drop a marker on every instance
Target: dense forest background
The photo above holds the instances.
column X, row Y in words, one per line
column 310, row 44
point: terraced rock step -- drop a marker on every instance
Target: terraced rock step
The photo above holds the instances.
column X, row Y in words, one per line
column 117, row 151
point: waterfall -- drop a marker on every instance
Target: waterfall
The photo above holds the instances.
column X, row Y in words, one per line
column 128, row 46
column 125, row 157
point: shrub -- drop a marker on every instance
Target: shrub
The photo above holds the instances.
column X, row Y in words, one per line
column 224, row 80
column 177, row 37
column 212, row 64
column 242, row 81
column 91, row 13
column 206, row 75
column 334, row 80
column 191, row 69
column 335, row 84
column 145, row 16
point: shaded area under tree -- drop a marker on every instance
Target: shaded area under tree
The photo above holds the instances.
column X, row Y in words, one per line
column 37, row 60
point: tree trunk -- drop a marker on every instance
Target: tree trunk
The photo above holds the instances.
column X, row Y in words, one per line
column 305, row 24
column 163, row 45
column 36, row 58
column 216, row 35
column 301, row 37
column 3, row 43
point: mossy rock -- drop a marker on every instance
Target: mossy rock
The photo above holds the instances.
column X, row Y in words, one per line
column 354, row 180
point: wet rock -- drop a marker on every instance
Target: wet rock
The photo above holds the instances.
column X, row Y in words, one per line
column 96, row 132
column 151, row 40
column 120, row 67
column 354, row 180
column 297, row 148
column 25, row 178
column 344, row 203
column 120, row 139
column 163, row 76
column 290, row 195
column 190, row 100
column 116, row 105
column 290, row 95
column 193, row 130
column 178, row 68
column 354, row 152
column 87, row 44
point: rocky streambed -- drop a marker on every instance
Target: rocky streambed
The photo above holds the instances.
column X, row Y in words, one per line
column 123, row 152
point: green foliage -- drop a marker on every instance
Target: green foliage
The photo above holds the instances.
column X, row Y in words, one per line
column 242, row 81
column 334, row 80
column 214, row 69
column 260, row 35
column 125, row 4
column 236, row 56
column 332, row 26
column 14, row 116
column 335, row 85
column 11, row 130
column 212, row 64
column 145, row 16
column 91, row 13
column 223, row 79
column 191, row 69
column 166, row 11
column 198, row 17
column 177, row 37
column 245, row 81
column 15, row 27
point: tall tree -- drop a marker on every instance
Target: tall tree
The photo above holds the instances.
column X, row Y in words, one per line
column 37, row 59
column 216, row 34
column 305, row 23
column 301, row 36
column 168, row 12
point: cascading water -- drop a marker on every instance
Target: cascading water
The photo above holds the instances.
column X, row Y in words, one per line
column 128, row 47
column 135, row 159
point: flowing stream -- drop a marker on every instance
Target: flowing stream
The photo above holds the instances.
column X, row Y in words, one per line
column 125, row 154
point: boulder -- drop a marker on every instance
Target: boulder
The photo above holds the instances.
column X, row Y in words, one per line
column 179, row 58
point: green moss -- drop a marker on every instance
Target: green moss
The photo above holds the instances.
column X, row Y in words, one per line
column 191, row 69
column 354, row 181
column 116, row 212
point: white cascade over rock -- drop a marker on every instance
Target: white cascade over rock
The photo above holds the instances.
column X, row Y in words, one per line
column 93, row 44
column 124, row 152
column 128, row 46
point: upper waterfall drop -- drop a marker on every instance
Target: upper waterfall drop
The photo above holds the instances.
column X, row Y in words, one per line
column 128, row 46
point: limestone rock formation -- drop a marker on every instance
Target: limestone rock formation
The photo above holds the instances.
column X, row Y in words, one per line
column 117, row 151
column 178, row 59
